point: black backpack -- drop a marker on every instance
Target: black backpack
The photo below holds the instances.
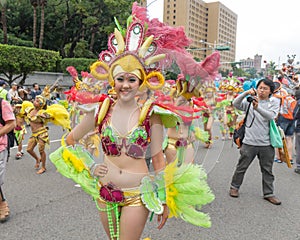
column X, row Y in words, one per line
column 239, row 131
column 11, row 135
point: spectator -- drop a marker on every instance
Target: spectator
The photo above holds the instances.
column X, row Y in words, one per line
column 35, row 91
column 13, row 91
column 23, row 93
column 256, row 142
column 8, row 117
column 297, row 131
column 3, row 92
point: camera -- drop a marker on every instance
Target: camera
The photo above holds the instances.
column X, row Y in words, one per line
column 250, row 99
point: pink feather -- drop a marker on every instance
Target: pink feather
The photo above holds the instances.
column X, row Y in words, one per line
column 72, row 71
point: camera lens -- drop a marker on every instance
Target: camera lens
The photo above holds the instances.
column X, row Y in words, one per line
column 250, row 99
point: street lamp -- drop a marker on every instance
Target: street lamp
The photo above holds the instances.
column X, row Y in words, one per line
column 217, row 46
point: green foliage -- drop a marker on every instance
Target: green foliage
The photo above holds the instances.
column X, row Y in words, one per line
column 13, row 40
column 21, row 61
column 80, row 64
column 81, row 50
column 68, row 23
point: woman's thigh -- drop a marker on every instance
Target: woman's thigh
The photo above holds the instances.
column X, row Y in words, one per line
column 132, row 222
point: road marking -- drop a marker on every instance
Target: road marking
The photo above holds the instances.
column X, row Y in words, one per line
column 25, row 145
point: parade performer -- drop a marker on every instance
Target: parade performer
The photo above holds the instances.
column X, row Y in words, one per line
column 38, row 115
column 86, row 84
column 180, row 139
column 122, row 187
column 228, row 114
column 20, row 129
column 208, row 114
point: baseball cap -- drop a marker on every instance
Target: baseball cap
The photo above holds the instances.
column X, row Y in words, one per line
column 2, row 82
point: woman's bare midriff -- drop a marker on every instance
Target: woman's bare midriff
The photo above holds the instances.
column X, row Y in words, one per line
column 182, row 132
column 124, row 171
column 37, row 123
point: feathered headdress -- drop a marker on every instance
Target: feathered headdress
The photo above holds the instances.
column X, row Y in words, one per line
column 195, row 75
column 143, row 49
column 231, row 83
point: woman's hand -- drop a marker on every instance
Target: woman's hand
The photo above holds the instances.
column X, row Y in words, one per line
column 100, row 170
column 162, row 218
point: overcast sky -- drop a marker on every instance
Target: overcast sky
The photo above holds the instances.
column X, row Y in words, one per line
column 266, row 27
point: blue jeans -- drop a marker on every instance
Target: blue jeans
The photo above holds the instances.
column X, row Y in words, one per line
column 287, row 125
column 265, row 155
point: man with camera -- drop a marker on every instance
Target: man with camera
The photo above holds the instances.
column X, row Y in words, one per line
column 256, row 142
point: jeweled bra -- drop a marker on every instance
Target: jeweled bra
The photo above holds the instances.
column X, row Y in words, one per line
column 135, row 142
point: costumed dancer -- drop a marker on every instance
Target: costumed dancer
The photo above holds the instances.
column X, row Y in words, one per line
column 20, row 129
column 88, row 84
column 228, row 114
column 179, row 140
column 122, row 187
column 38, row 115
column 208, row 114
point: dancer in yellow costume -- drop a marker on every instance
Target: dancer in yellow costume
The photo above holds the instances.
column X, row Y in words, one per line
column 38, row 115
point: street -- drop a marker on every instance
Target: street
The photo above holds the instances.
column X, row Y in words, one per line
column 50, row 206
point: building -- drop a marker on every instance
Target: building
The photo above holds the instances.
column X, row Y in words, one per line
column 249, row 63
column 211, row 26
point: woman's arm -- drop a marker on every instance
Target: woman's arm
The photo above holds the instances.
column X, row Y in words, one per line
column 157, row 155
column 158, row 159
column 86, row 125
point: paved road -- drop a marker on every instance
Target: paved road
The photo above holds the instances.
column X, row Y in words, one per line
column 49, row 206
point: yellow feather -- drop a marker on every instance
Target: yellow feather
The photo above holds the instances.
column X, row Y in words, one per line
column 120, row 41
column 144, row 48
column 144, row 111
column 171, row 191
column 155, row 59
column 70, row 158
column 103, row 110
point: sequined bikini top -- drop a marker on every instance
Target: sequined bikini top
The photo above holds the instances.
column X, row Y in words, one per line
column 135, row 141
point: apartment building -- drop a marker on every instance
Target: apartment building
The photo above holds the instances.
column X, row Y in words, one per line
column 249, row 63
column 211, row 26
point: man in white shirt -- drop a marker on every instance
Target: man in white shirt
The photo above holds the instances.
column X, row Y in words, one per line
column 13, row 92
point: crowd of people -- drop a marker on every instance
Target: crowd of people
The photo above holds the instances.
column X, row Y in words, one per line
column 142, row 123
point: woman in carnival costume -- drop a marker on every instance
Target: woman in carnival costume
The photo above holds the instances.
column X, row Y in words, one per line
column 209, row 100
column 38, row 115
column 180, row 139
column 230, row 88
column 20, row 129
column 87, row 84
column 122, row 187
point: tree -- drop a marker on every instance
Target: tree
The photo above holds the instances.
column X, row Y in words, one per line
column 34, row 4
column 17, row 62
column 3, row 20
column 43, row 3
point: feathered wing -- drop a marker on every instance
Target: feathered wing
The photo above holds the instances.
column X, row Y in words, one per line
column 186, row 192
column 59, row 115
column 74, row 163
column 25, row 106
column 201, row 135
